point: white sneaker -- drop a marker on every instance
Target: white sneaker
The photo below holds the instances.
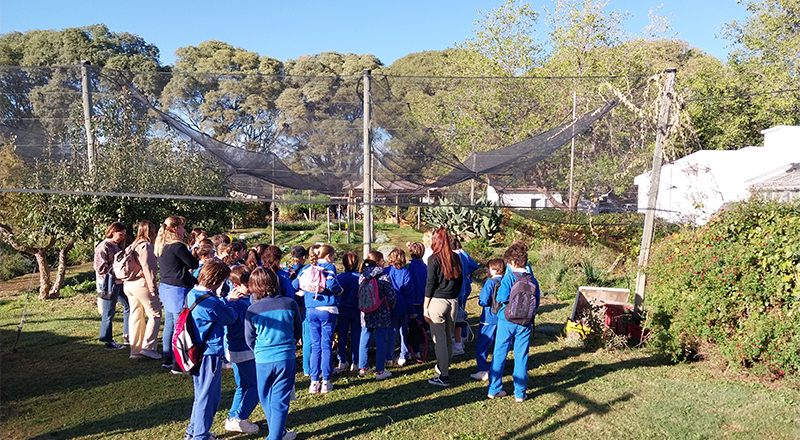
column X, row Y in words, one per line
column 519, row 400
column 343, row 366
column 458, row 350
column 362, row 372
column 314, row 387
column 244, row 426
column 353, row 367
column 383, row 375
column 151, row 354
column 480, row 375
column 290, row 435
column 499, row 394
column 327, row 387
column 401, row 362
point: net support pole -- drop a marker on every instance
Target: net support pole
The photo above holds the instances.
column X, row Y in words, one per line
column 86, row 92
column 349, row 208
column 368, row 195
column 272, row 207
column 652, row 194
column 572, row 151
column 328, row 219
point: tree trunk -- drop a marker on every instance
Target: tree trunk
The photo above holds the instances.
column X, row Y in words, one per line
column 58, row 283
column 44, row 273
column 40, row 254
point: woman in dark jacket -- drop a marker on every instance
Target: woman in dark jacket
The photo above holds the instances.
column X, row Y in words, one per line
column 175, row 264
column 441, row 302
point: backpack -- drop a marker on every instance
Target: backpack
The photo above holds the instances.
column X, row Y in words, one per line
column 494, row 304
column 369, row 298
column 417, row 336
column 126, row 264
column 312, row 279
column 292, row 272
column 521, row 304
column 188, row 351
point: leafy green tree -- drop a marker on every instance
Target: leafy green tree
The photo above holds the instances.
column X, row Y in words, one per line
column 226, row 92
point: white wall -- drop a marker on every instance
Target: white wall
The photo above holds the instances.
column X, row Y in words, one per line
column 520, row 199
column 695, row 187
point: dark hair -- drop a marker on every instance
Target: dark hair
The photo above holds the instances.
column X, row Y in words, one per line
column 197, row 232
column 516, row 254
column 240, row 274
column 367, row 263
column 271, row 258
column 498, row 265
column 350, row 261
column 263, row 282
column 416, row 249
column 213, row 274
column 375, row 256
column 322, row 251
column 299, row 252
column 253, row 259
column 455, row 243
column 220, row 239
column 115, row 227
column 204, row 250
column 397, row 258
column 449, row 261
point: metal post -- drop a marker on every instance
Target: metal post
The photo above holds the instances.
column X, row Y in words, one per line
column 87, row 115
column 652, row 194
column 273, row 215
column 349, row 208
column 328, row 218
column 572, row 153
column 368, row 195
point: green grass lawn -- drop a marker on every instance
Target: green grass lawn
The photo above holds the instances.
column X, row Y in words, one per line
column 62, row 384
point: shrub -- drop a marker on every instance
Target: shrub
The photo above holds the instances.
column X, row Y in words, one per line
column 297, row 226
column 734, row 283
column 13, row 263
column 484, row 220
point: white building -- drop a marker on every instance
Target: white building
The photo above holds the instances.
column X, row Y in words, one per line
column 695, row 187
column 520, row 198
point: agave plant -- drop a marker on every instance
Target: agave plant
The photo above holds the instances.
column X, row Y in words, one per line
column 483, row 220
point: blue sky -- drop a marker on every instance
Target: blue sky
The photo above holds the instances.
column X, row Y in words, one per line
column 290, row 29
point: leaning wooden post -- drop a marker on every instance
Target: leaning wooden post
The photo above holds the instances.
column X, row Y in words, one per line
column 367, row 187
column 87, row 115
column 652, row 194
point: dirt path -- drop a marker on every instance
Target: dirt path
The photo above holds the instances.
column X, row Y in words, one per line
column 18, row 285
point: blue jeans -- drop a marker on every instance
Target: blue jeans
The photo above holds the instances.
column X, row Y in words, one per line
column 320, row 328
column 306, row 348
column 245, row 398
column 166, row 337
column 207, row 394
column 349, row 323
column 380, row 348
column 485, row 339
column 399, row 325
column 110, row 310
column 275, row 383
column 509, row 333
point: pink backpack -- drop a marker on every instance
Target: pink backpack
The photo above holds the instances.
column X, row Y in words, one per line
column 312, row 279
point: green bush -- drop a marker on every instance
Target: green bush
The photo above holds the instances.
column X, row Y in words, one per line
column 297, row 226
column 734, row 283
column 484, row 220
column 13, row 263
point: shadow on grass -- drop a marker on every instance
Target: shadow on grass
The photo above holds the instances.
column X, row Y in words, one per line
column 111, row 427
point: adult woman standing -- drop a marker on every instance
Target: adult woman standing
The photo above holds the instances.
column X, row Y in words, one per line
column 109, row 290
column 143, row 295
column 441, row 302
column 175, row 264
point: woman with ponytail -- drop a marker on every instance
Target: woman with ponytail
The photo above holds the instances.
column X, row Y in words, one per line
column 175, row 264
column 441, row 302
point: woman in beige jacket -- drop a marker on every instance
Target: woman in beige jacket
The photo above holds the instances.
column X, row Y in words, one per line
column 143, row 293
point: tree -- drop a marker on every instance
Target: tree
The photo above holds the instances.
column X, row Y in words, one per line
column 228, row 93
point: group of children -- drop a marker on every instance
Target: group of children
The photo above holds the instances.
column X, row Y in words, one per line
column 308, row 302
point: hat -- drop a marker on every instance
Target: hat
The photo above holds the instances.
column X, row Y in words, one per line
column 299, row 252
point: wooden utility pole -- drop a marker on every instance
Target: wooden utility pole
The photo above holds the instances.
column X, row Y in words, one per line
column 272, row 207
column 655, row 179
column 572, row 153
column 87, row 115
column 368, row 195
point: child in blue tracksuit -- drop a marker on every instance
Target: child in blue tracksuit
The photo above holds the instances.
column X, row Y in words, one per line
column 468, row 266
column 211, row 314
column 419, row 276
column 299, row 255
column 488, row 328
column 349, row 323
column 509, row 333
column 241, row 356
column 404, row 310
column 375, row 324
column 321, row 311
column 272, row 327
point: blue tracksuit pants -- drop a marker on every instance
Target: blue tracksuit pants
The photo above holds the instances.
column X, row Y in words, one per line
column 349, row 323
column 485, row 339
column 509, row 333
column 321, row 325
column 275, row 383
column 245, row 398
column 380, row 348
column 399, row 325
column 207, row 394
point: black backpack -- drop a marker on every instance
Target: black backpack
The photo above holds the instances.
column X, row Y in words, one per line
column 495, row 305
column 521, row 304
